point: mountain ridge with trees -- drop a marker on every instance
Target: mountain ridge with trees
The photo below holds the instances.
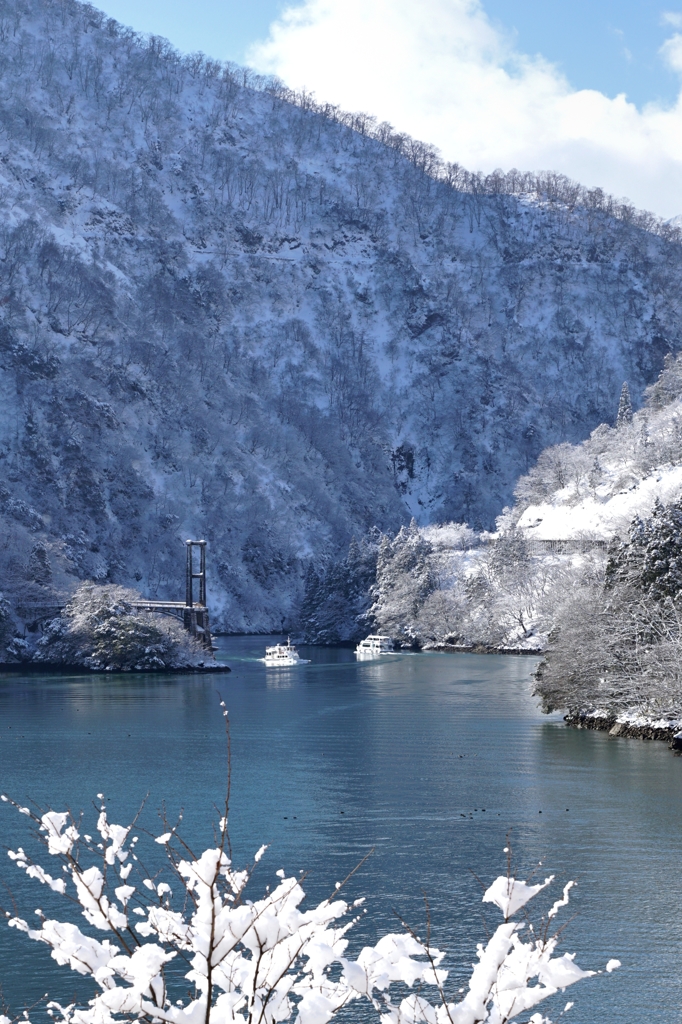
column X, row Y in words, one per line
column 229, row 312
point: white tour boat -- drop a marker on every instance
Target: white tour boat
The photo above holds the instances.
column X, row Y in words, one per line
column 372, row 646
column 283, row 655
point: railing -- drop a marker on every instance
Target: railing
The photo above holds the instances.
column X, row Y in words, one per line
column 175, row 608
column 536, row 546
column 194, row 617
column 570, row 546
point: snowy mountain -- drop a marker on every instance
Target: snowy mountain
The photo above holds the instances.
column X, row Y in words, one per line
column 579, row 506
column 223, row 313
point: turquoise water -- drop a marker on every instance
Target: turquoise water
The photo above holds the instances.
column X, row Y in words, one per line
column 429, row 760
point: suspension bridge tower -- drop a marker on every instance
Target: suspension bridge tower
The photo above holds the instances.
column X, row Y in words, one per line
column 195, row 616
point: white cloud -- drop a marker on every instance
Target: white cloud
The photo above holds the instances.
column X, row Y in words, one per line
column 671, row 51
column 441, row 71
column 673, row 18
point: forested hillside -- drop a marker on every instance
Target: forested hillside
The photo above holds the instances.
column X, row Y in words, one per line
column 228, row 314
column 585, row 567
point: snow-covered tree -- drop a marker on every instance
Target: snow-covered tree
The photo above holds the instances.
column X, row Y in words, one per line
column 6, row 625
column 668, row 385
column 624, row 406
column 337, row 597
column 617, row 638
column 404, row 581
column 39, row 569
column 651, row 559
column 100, row 629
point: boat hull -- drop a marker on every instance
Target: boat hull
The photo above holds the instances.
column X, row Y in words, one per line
column 284, row 662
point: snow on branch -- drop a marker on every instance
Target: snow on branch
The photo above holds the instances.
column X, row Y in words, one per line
column 260, row 961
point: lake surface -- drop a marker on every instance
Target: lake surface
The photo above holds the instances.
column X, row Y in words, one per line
column 428, row 759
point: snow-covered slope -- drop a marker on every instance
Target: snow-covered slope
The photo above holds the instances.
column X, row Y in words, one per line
column 604, row 514
column 596, row 489
column 443, row 584
column 223, row 314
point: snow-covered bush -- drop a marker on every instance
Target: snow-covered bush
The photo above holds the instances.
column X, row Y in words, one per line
column 617, row 639
column 186, row 943
column 100, row 629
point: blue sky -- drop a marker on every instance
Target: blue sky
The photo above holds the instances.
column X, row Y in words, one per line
column 220, row 28
column 609, row 45
column 591, row 88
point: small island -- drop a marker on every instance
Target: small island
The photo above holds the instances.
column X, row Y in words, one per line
column 110, row 628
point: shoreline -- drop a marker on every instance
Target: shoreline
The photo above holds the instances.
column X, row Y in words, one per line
column 628, row 726
column 481, row 649
column 55, row 669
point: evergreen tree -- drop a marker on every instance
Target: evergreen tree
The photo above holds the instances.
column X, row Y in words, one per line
column 312, row 597
column 405, row 580
column 39, row 568
column 509, row 554
column 624, row 406
column 651, row 559
column 596, row 473
column 668, row 387
column 662, row 563
column 337, row 595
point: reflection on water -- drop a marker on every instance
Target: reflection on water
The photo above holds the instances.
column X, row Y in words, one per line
column 428, row 759
column 281, row 678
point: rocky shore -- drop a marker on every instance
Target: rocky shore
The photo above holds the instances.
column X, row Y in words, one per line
column 535, row 652
column 631, row 725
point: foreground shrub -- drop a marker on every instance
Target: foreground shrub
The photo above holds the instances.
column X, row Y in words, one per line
column 184, row 944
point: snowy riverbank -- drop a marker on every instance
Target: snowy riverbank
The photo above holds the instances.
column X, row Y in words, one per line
column 628, row 724
column 445, row 648
column 101, row 630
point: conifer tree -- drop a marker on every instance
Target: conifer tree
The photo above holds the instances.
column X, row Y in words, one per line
column 39, row 568
column 624, row 406
column 651, row 559
column 662, row 564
